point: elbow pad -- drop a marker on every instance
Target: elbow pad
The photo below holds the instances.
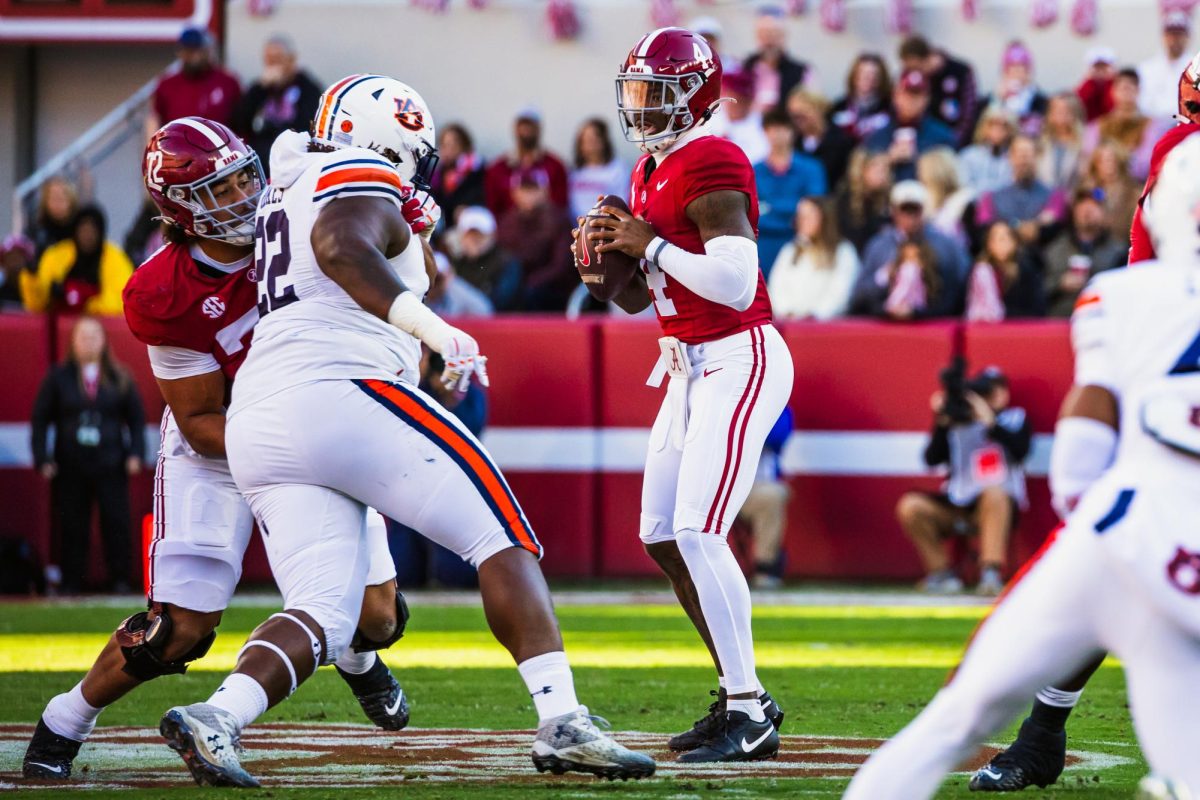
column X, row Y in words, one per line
column 1083, row 450
column 727, row 273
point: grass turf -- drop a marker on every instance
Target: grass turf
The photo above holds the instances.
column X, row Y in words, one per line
column 837, row 671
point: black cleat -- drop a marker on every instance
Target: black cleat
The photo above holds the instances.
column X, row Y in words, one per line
column 704, row 728
column 1036, row 758
column 739, row 739
column 380, row 695
column 710, row 724
column 49, row 755
column 772, row 710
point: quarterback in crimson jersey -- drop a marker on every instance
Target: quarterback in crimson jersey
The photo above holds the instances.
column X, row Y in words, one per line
column 194, row 304
column 694, row 225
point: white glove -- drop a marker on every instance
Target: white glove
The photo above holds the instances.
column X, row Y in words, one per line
column 421, row 212
column 463, row 360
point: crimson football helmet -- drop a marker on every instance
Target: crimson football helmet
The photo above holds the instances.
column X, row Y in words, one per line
column 670, row 83
column 185, row 161
column 1189, row 92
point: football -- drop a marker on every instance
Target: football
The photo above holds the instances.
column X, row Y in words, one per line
column 604, row 274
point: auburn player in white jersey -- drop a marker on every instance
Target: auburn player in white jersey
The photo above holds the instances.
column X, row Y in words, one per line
column 327, row 419
column 194, row 304
column 1123, row 574
column 694, row 224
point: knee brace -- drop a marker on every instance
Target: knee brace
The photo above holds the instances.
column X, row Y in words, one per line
column 361, row 644
column 143, row 642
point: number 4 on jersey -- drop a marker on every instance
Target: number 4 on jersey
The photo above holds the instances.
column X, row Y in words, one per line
column 272, row 257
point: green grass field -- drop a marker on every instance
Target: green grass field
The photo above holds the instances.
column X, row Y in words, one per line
column 838, row 671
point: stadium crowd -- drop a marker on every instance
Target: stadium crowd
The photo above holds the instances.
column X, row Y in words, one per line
column 910, row 196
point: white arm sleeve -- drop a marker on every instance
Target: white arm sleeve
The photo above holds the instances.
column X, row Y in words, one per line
column 172, row 363
column 726, row 274
column 1083, row 449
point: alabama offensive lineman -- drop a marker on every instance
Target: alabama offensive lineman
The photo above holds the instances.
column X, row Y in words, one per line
column 327, row 418
column 1123, row 574
column 694, row 224
column 194, row 304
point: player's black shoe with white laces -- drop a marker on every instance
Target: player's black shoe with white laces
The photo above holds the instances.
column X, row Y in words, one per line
column 710, row 724
column 1036, row 758
column 49, row 756
column 739, row 739
column 380, row 695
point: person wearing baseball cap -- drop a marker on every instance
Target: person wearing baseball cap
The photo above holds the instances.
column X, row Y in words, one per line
column 909, row 204
column 479, row 260
column 1159, row 76
column 953, row 97
column 1016, row 92
column 200, row 87
column 1095, row 91
column 912, row 129
column 527, row 153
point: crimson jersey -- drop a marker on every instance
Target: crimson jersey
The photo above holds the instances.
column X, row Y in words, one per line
column 173, row 300
column 703, row 165
column 1140, row 246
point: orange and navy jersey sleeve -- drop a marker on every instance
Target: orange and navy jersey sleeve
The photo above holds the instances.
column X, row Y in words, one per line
column 724, row 167
column 358, row 173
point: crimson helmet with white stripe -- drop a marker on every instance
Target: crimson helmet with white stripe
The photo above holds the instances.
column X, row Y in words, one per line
column 669, row 83
column 185, row 168
column 380, row 114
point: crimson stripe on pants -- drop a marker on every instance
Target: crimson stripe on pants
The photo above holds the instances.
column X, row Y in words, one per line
column 737, row 464
column 712, row 511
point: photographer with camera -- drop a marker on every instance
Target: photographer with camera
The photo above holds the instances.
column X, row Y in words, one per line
column 984, row 442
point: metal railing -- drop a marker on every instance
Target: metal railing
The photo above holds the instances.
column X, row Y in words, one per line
column 92, row 147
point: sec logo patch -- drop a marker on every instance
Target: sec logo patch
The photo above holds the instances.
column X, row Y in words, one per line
column 213, row 307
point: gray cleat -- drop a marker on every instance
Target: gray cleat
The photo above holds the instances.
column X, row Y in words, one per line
column 573, row 743
column 207, row 739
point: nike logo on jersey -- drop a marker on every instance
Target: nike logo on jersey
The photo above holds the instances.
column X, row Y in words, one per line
column 661, row 184
column 394, row 707
column 57, row 770
column 708, row 372
column 746, row 748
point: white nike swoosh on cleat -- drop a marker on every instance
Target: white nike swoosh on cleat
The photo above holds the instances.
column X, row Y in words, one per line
column 58, row 770
column 746, row 748
column 392, row 709
column 989, row 772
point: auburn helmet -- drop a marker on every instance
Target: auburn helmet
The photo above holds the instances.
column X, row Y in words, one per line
column 669, row 83
column 1189, row 92
column 185, row 168
column 380, row 114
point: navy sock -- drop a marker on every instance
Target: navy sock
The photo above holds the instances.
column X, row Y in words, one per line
column 1052, row 718
column 373, row 680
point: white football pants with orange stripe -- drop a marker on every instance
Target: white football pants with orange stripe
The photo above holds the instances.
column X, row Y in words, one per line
column 700, row 465
column 310, row 459
column 1122, row 576
column 202, row 528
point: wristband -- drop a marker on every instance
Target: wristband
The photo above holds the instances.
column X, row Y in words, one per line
column 655, row 248
column 413, row 317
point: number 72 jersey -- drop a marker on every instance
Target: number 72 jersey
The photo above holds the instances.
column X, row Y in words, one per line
column 177, row 299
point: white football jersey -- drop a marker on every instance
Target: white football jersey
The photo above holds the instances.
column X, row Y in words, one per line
column 310, row 329
column 1136, row 332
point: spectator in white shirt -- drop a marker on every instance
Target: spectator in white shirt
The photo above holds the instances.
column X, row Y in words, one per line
column 1159, row 76
column 814, row 273
column 596, row 171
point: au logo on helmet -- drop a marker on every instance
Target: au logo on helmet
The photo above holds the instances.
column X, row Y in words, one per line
column 409, row 114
